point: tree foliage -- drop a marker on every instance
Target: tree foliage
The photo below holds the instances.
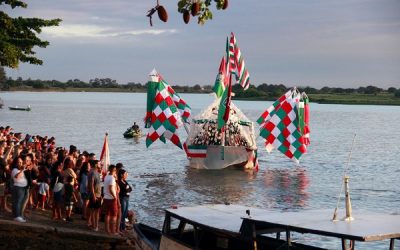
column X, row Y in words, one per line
column 397, row 93
column 18, row 36
column 199, row 8
column 196, row 8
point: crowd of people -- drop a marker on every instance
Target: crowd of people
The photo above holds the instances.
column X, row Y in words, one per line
column 36, row 174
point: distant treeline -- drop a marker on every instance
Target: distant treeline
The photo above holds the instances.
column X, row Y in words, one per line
column 262, row 91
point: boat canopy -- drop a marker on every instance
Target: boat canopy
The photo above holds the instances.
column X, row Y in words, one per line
column 239, row 130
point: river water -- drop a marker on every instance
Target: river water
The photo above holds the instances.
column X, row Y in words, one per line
column 161, row 177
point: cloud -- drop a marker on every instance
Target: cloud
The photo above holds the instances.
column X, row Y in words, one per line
column 73, row 31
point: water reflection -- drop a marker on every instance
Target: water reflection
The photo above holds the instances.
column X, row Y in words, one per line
column 158, row 192
column 219, row 186
column 288, row 187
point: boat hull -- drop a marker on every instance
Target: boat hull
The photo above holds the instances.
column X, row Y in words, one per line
column 171, row 244
column 220, row 157
column 146, row 237
column 20, row 109
column 132, row 134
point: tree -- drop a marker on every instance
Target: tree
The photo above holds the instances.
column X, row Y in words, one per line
column 18, row 36
column 3, row 77
column 397, row 93
column 372, row 90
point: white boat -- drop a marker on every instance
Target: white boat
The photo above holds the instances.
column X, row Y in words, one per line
column 209, row 148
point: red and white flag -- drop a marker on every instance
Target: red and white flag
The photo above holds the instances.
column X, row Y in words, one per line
column 105, row 156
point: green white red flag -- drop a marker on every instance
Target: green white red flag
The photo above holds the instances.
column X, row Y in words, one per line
column 280, row 126
column 220, row 81
column 165, row 111
column 225, row 106
column 266, row 116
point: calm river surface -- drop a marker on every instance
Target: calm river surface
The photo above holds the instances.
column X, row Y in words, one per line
column 161, row 177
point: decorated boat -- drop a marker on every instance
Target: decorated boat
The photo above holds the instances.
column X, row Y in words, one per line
column 207, row 147
column 221, row 136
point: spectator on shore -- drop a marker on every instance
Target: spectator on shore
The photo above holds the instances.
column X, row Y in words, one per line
column 69, row 198
column 43, row 193
column 31, row 173
column 119, row 211
column 4, row 180
column 19, row 189
column 73, row 153
column 95, row 200
column 5, row 189
column 56, row 186
column 110, row 200
column 68, row 169
column 124, row 194
column 83, row 189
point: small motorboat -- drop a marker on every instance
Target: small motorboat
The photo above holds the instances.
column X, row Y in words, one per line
column 131, row 133
column 28, row 108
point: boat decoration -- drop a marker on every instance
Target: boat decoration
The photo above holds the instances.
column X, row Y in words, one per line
column 285, row 125
column 166, row 111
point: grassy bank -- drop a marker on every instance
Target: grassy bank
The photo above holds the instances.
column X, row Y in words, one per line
column 352, row 99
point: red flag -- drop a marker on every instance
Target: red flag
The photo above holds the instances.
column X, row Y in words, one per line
column 228, row 101
column 105, row 156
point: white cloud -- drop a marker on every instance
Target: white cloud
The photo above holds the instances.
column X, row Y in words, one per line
column 95, row 31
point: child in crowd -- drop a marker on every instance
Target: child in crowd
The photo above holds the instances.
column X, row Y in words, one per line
column 43, row 194
column 69, row 198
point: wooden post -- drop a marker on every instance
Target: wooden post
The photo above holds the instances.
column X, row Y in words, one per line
column 348, row 202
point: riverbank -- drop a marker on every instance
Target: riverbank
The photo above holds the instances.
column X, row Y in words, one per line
column 347, row 99
column 41, row 232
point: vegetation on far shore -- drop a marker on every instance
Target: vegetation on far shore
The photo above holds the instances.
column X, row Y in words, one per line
column 363, row 95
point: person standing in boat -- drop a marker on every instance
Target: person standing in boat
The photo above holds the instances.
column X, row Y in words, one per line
column 135, row 127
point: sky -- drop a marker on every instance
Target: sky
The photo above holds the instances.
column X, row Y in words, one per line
column 316, row 43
